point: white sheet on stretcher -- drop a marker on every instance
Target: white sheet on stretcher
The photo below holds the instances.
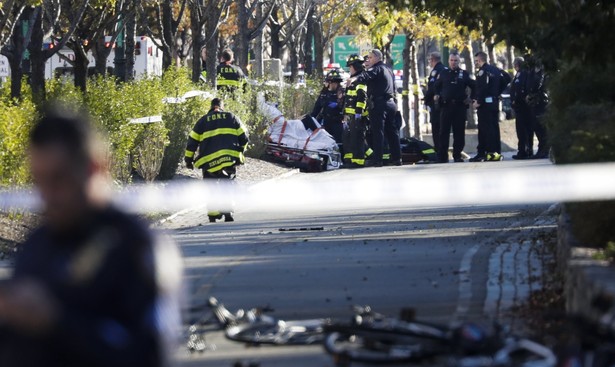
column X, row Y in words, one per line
column 292, row 133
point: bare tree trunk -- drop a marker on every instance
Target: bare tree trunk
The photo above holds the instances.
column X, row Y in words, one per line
column 129, row 52
column 406, row 84
column 258, row 49
column 242, row 39
column 81, row 68
column 100, row 56
column 274, row 31
column 309, row 36
column 491, row 50
column 167, row 34
column 294, row 60
column 415, row 88
column 197, row 42
column 510, row 56
column 468, row 55
column 14, row 56
column 212, row 52
column 319, row 49
column 37, row 57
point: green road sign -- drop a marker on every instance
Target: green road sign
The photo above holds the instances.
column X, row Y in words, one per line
column 344, row 46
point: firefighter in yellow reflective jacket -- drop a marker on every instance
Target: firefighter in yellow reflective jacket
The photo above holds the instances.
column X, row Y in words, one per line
column 355, row 117
column 221, row 141
column 229, row 77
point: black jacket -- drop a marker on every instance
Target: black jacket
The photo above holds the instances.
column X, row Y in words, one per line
column 323, row 111
column 451, row 86
column 103, row 275
column 221, row 140
column 488, row 86
column 380, row 82
column 229, row 77
column 431, row 84
column 518, row 88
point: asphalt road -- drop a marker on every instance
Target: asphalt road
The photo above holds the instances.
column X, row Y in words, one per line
column 451, row 264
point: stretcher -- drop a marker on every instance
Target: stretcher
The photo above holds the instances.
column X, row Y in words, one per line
column 302, row 144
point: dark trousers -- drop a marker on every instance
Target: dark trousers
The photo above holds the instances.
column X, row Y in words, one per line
column 488, row 131
column 540, row 130
column 452, row 116
column 434, row 119
column 354, row 140
column 382, row 123
column 227, row 173
column 525, row 133
column 336, row 129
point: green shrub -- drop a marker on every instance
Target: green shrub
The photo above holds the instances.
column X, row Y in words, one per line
column 179, row 118
column 581, row 125
column 15, row 124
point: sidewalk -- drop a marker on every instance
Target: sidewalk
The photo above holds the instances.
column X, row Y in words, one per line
column 585, row 278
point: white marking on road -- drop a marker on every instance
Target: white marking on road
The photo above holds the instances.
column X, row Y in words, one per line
column 465, row 284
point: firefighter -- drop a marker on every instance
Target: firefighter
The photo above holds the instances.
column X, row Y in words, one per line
column 328, row 108
column 229, row 77
column 221, row 140
column 382, row 109
column 355, row 117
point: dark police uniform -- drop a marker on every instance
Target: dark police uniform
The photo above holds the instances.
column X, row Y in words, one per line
column 329, row 110
column 488, row 90
column 112, row 309
column 355, row 112
column 382, row 108
column 537, row 99
column 434, row 108
column 229, row 77
column 451, row 88
column 523, row 121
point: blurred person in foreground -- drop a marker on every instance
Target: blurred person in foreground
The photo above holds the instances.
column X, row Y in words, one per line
column 89, row 286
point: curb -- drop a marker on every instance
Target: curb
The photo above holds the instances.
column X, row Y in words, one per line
column 194, row 208
column 585, row 278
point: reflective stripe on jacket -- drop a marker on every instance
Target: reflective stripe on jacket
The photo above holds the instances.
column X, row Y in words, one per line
column 221, row 140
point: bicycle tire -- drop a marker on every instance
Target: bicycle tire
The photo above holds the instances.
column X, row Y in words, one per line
column 378, row 348
column 281, row 333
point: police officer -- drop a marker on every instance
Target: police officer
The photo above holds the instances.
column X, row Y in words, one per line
column 229, row 77
column 382, row 108
column 329, row 107
column 355, row 116
column 434, row 109
column 537, row 100
column 89, row 285
column 451, row 96
column 487, row 104
column 221, row 141
column 523, row 122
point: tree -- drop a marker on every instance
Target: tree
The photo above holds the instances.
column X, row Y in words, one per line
column 250, row 24
column 57, row 19
column 166, row 18
column 331, row 17
column 10, row 12
column 206, row 16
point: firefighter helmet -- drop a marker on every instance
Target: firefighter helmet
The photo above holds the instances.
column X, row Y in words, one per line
column 334, row 76
column 354, row 59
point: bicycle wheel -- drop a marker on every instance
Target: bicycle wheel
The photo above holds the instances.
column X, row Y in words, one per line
column 279, row 333
column 377, row 348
